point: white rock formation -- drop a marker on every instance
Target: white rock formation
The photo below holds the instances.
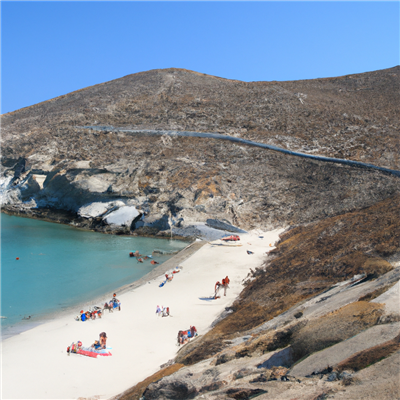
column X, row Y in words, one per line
column 39, row 179
column 98, row 209
column 123, row 216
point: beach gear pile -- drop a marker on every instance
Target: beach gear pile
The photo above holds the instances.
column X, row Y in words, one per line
column 77, row 348
column 170, row 276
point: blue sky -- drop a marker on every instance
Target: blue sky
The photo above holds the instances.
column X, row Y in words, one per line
column 52, row 48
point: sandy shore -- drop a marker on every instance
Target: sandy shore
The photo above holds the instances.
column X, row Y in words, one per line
column 35, row 364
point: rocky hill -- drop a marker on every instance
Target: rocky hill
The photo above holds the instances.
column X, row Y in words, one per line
column 52, row 167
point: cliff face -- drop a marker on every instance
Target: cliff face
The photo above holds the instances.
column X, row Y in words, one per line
column 49, row 160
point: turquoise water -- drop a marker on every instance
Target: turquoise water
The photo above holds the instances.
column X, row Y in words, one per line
column 60, row 267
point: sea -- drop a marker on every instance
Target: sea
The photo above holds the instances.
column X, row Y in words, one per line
column 49, row 268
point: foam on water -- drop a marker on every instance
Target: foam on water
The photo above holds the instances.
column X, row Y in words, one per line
column 60, row 267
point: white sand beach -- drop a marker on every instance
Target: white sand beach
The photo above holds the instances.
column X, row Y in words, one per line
column 35, row 364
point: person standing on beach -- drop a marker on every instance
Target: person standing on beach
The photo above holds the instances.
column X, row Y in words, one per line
column 225, row 284
column 216, row 289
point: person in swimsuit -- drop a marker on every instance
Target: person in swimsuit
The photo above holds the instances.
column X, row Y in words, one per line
column 103, row 340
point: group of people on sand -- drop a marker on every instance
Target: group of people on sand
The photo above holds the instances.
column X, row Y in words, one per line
column 102, row 342
column 162, row 311
column 91, row 314
column 185, row 336
column 97, row 312
column 223, row 284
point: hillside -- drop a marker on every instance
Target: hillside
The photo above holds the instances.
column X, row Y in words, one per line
column 47, row 156
column 354, row 116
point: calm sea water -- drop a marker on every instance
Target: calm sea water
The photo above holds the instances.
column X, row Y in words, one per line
column 60, row 267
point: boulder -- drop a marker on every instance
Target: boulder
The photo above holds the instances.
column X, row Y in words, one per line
column 124, row 216
column 98, row 209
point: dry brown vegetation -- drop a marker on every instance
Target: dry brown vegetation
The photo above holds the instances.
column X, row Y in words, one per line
column 376, row 293
column 308, row 260
column 308, row 337
column 335, row 327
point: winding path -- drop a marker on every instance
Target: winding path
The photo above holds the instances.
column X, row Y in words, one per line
column 148, row 132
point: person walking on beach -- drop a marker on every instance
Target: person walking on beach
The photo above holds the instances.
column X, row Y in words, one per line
column 216, row 290
column 225, row 284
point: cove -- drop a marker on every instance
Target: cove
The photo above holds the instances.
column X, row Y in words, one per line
column 60, row 267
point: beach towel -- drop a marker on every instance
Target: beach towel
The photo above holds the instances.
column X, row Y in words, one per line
column 92, row 352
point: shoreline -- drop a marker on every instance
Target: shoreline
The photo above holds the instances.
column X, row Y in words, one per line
column 73, row 220
column 140, row 340
column 46, row 317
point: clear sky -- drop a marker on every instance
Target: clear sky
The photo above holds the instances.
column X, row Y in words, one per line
column 52, row 48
